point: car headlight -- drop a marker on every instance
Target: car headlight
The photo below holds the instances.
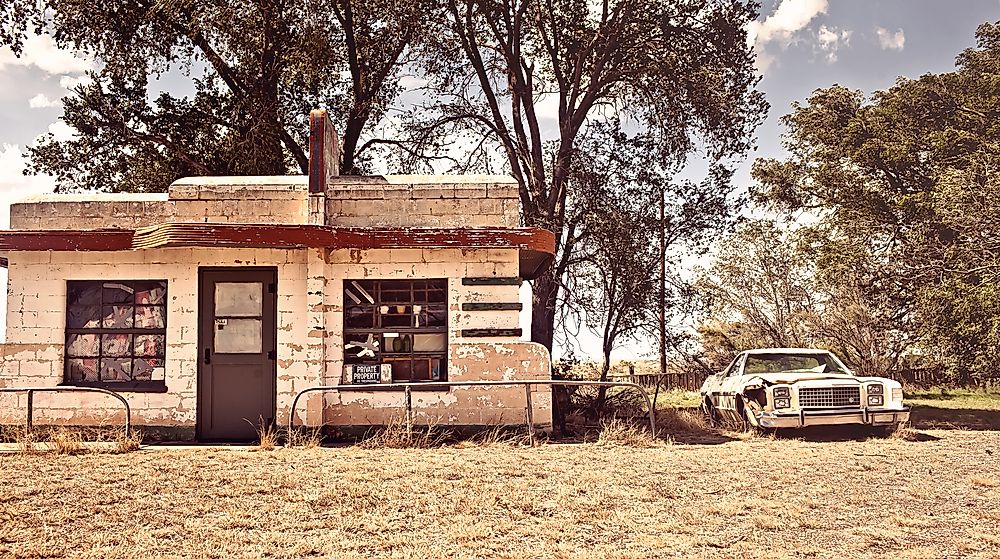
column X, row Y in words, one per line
column 782, row 403
column 897, row 394
column 874, row 399
column 782, row 392
column 876, row 388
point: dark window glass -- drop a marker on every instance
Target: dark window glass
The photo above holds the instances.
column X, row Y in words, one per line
column 399, row 323
column 116, row 333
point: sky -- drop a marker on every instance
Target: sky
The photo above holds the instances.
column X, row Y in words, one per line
column 801, row 45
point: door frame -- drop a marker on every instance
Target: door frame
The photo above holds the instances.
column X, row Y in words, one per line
column 202, row 336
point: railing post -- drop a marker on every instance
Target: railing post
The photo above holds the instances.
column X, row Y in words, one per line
column 529, row 416
column 31, row 407
column 409, row 411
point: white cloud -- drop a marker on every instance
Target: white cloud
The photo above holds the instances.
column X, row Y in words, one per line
column 830, row 39
column 42, row 101
column 69, row 82
column 13, row 184
column 790, row 17
column 889, row 40
column 41, row 51
column 61, row 131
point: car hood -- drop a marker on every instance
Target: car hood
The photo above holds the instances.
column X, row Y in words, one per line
column 789, row 378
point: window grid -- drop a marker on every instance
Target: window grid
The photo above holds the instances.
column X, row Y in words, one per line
column 408, row 362
column 140, row 362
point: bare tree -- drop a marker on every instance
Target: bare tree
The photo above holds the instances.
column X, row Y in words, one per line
column 535, row 76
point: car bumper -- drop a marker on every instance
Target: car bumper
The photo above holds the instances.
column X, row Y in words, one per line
column 806, row 418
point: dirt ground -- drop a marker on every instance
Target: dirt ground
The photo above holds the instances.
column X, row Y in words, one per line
column 936, row 495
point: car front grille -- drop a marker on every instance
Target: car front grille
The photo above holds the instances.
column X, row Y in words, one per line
column 830, row 397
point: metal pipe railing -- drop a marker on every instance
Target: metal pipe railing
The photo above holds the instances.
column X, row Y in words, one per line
column 30, row 390
column 408, row 398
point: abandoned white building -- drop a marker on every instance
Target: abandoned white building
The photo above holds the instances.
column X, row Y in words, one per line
column 209, row 307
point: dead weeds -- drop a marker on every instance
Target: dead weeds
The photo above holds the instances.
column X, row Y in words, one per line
column 396, row 434
column 66, row 441
column 621, row 432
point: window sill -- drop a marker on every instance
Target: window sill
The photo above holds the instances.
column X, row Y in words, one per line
column 149, row 387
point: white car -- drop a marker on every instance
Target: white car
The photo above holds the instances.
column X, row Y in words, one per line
column 790, row 388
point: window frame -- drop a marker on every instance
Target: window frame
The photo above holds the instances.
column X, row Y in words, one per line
column 153, row 385
column 378, row 330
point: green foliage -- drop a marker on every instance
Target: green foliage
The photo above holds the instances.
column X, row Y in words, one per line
column 904, row 187
column 614, row 215
column 256, row 68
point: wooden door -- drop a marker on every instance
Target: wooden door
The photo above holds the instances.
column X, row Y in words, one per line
column 237, row 339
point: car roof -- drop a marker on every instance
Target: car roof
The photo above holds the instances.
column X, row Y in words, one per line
column 798, row 350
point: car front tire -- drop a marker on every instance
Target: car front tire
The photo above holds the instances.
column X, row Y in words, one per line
column 712, row 414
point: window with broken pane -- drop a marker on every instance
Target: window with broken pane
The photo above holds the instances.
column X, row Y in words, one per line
column 116, row 334
column 400, row 323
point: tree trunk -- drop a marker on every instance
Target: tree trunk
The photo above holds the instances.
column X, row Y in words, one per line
column 544, row 291
column 352, row 134
column 602, row 392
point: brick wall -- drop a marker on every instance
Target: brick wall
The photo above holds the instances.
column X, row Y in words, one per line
column 36, row 320
column 422, row 201
column 310, row 334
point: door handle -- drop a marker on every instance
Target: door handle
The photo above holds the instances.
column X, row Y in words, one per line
column 208, row 356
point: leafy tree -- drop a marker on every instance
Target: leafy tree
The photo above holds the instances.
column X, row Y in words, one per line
column 680, row 72
column 256, row 67
column 910, row 176
column 613, row 279
column 761, row 280
column 774, row 288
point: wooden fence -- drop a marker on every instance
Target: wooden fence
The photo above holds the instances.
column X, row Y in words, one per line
column 669, row 381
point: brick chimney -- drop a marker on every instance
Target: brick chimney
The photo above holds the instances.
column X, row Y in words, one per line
column 324, row 151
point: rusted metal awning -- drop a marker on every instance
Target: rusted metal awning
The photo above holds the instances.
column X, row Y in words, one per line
column 536, row 246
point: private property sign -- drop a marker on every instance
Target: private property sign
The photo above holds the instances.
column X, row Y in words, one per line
column 365, row 374
column 368, row 374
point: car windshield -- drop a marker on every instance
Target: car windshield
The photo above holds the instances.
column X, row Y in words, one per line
column 761, row 363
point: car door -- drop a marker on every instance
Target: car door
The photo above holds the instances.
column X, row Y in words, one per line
column 729, row 384
column 716, row 383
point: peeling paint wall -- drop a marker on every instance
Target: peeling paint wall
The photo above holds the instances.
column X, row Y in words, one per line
column 377, row 201
column 422, row 201
column 310, row 334
column 36, row 321
column 468, row 358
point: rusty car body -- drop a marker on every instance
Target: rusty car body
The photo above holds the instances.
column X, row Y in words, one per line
column 781, row 388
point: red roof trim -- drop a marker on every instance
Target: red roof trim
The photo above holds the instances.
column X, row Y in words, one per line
column 93, row 239
column 537, row 245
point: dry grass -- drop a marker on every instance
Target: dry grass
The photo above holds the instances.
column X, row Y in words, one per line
column 66, row 441
column 396, row 435
column 26, row 442
column 984, row 481
column 267, row 436
column 128, row 442
column 682, row 420
column 620, row 432
column 302, row 437
column 753, row 498
column 905, row 433
column 71, row 440
column 497, row 436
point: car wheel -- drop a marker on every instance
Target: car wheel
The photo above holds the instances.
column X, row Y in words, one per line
column 714, row 419
column 748, row 422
